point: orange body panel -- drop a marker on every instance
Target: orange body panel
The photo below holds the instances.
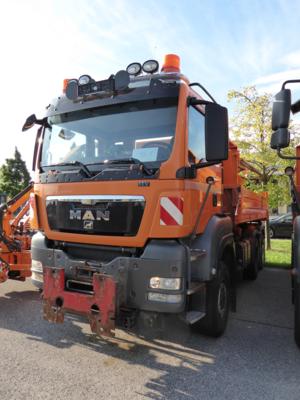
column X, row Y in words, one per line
column 248, row 206
column 251, row 207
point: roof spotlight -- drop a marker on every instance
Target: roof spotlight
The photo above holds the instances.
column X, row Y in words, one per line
column 84, row 79
column 150, row 66
column 134, row 69
column 289, row 171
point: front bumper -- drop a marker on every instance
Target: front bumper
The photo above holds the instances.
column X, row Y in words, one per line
column 130, row 275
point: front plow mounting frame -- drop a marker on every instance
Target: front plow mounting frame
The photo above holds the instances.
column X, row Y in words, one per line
column 99, row 307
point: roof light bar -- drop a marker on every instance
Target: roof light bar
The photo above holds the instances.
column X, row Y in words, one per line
column 86, row 86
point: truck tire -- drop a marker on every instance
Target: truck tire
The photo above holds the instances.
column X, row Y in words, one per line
column 256, row 262
column 217, row 304
column 262, row 259
column 297, row 312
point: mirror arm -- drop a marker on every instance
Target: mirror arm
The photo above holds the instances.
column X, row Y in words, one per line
column 284, row 157
column 206, row 164
column 43, row 122
column 289, row 81
column 204, row 90
column 193, row 101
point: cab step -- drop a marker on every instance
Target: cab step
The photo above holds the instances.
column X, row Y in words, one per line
column 191, row 317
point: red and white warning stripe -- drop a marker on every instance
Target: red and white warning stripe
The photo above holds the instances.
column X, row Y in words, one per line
column 171, row 211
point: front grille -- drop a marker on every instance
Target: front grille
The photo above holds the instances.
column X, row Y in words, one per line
column 96, row 214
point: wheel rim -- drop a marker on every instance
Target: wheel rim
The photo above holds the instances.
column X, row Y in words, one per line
column 271, row 233
column 222, row 299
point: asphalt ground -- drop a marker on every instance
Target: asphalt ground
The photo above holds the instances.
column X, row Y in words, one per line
column 255, row 359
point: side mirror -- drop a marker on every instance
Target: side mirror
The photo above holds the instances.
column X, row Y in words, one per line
column 30, row 121
column 281, row 110
column 280, row 139
column 216, row 132
column 295, row 108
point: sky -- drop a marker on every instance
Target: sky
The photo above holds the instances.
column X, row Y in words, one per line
column 223, row 44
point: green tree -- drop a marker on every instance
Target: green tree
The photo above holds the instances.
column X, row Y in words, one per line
column 251, row 131
column 14, row 175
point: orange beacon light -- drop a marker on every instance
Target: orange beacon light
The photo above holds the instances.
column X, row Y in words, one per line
column 171, row 63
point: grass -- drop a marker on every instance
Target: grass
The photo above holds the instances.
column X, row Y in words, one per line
column 280, row 254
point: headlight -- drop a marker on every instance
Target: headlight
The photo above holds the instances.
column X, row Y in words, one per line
column 165, row 298
column 36, row 266
column 165, row 283
column 150, row 66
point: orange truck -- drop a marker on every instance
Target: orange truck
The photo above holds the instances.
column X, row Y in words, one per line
column 15, row 237
column 139, row 203
column 282, row 108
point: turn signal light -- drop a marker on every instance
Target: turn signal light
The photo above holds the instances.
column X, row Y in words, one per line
column 171, row 63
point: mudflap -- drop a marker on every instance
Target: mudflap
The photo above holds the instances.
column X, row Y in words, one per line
column 99, row 307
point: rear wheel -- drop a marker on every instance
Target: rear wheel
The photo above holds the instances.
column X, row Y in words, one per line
column 217, row 304
column 297, row 312
column 256, row 260
column 272, row 233
column 263, row 253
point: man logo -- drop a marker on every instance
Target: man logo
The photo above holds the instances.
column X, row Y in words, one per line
column 90, row 215
column 88, row 225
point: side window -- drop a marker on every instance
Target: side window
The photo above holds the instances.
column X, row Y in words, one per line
column 196, row 133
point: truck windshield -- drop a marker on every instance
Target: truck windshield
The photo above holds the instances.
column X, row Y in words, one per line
column 144, row 131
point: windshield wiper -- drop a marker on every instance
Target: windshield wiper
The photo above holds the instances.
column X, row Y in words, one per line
column 79, row 164
column 131, row 160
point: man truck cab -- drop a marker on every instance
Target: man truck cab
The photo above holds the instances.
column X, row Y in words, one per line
column 139, row 204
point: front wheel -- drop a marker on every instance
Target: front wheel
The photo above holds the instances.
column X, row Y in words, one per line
column 297, row 312
column 272, row 233
column 217, row 304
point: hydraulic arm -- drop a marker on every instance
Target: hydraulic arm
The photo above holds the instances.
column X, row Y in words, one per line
column 15, row 237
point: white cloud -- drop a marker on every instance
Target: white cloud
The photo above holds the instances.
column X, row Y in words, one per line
column 272, row 83
column 278, row 77
column 291, row 60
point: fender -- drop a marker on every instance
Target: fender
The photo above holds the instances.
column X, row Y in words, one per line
column 217, row 235
column 296, row 247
